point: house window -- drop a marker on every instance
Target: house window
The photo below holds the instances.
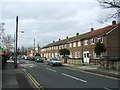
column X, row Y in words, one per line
column 56, row 47
column 100, row 39
column 79, row 43
column 70, row 45
column 52, row 54
column 74, row 44
column 65, row 45
column 77, row 54
column 92, row 40
column 60, row 47
column 52, row 48
column 86, row 42
column 49, row 54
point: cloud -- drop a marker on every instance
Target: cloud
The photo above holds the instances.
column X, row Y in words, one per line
column 47, row 21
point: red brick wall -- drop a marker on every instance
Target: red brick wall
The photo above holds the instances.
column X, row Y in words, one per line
column 112, row 43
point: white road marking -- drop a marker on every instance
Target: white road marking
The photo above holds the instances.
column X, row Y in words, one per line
column 51, row 69
column 24, row 70
column 73, row 77
column 30, row 66
column 107, row 88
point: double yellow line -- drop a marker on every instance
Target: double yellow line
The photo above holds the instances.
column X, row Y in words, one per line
column 36, row 84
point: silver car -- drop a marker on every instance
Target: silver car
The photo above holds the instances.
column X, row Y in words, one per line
column 38, row 59
column 54, row 61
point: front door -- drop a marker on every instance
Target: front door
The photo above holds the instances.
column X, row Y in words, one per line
column 86, row 56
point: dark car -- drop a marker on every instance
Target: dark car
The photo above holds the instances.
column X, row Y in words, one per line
column 38, row 59
column 54, row 61
column 30, row 58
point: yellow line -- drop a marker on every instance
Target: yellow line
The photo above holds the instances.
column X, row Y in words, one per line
column 32, row 81
column 97, row 74
column 36, row 84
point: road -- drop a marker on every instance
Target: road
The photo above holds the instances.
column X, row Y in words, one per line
column 61, row 77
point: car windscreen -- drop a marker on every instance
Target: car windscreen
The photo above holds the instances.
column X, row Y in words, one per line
column 54, row 59
column 38, row 57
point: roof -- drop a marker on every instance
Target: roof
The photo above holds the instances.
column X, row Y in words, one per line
column 102, row 31
column 68, row 40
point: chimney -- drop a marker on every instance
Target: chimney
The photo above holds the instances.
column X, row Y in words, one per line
column 113, row 22
column 92, row 29
column 53, row 41
column 66, row 37
column 77, row 34
column 59, row 39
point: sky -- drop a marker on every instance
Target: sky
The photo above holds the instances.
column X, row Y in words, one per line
column 50, row 20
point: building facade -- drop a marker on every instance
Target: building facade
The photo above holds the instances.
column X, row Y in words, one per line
column 82, row 46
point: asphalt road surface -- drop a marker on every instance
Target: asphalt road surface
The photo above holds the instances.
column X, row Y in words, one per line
column 61, row 77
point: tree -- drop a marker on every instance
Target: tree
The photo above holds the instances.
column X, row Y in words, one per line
column 8, row 41
column 99, row 48
column 115, row 4
column 64, row 52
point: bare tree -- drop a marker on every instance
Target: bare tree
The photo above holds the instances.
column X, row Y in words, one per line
column 8, row 41
column 115, row 4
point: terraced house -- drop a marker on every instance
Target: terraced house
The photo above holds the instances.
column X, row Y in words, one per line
column 82, row 45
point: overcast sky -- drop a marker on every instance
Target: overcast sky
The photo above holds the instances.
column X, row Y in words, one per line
column 48, row 20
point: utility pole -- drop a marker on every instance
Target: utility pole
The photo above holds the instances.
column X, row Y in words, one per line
column 34, row 48
column 14, row 49
column 38, row 47
column 16, row 41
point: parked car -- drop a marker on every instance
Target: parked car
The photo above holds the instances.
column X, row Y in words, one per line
column 25, row 57
column 38, row 59
column 54, row 61
column 32, row 58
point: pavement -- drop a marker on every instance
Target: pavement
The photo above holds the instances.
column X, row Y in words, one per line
column 15, row 78
column 95, row 69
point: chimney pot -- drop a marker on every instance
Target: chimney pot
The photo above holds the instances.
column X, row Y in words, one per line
column 92, row 29
column 59, row 39
column 113, row 22
column 77, row 34
column 66, row 37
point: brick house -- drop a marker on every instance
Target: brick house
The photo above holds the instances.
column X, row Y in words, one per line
column 82, row 45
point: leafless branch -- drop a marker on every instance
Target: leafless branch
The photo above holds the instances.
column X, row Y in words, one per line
column 109, row 3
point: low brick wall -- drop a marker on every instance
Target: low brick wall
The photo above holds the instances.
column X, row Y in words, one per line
column 73, row 61
column 113, row 65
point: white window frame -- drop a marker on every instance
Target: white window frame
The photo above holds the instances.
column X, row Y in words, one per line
column 86, row 42
column 70, row 45
column 100, row 38
column 92, row 40
column 79, row 43
column 65, row 45
column 60, row 47
column 74, row 44
column 75, row 54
